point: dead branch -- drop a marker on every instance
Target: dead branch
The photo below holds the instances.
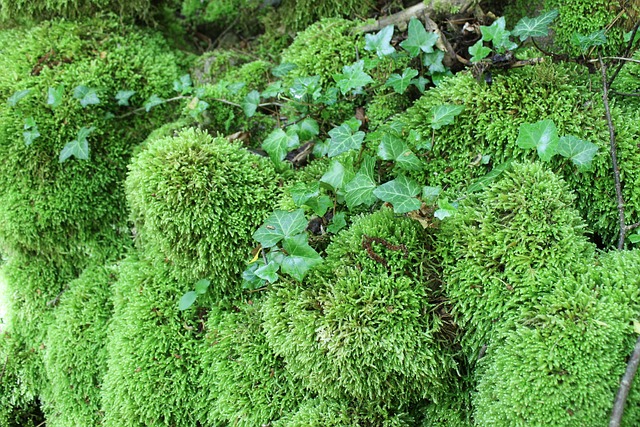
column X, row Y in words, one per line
column 625, row 386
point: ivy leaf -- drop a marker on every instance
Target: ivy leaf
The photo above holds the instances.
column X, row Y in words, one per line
column 335, row 176
column 302, row 192
column 283, row 69
column 343, row 138
column 445, row 210
column 278, row 143
column 479, row 51
column 443, row 115
column 433, row 60
column 202, row 285
column 268, row 272
column 17, row 96
column 30, row 131
column 634, row 238
column 380, row 42
column 250, row 103
column 153, row 101
column 184, row 85
column 320, row 205
column 54, row 96
column 541, row 135
column 401, row 193
column 486, row 180
column 359, row 191
column 419, row 39
column 393, row 148
column 79, row 147
column 498, row 35
column 86, row 96
column 597, row 38
column 353, row 77
column 279, row 225
column 187, row 300
column 123, row 96
column 534, row 27
column 400, row 83
column 235, row 87
column 273, row 90
column 338, row 222
column 306, row 86
column 307, row 129
column 430, row 194
column 579, row 151
column 421, row 83
column 300, row 256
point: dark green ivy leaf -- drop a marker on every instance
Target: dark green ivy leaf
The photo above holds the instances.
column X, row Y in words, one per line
column 283, row 69
column 300, row 256
column 273, row 90
column 123, row 96
column 401, row 193
column 250, row 103
column 17, row 96
column 79, row 147
column 307, row 129
column 359, row 191
column 279, row 225
column 433, row 60
column 419, row 39
column 395, row 149
column 306, row 86
column 421, row 82
column 490, row 177
column 597, row 38
column 153, row 101
column 400, row 83
column 184, row 85
column 343, row 138
column 353, row 78
column 301, row 192
column 498, row 35
column 86, row 95
column 380, row 42
column 338, row 222
column 534, row 27
column 268, row 272
column 443, row 115
column 278, row 143
column 320, row 205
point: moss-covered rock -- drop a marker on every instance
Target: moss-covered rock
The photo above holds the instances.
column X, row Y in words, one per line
column 499, row 244
column 366, row 325
column 23, row 10
column 76, row 355
column 51, row 207
column 196, row 200
column 154, row 350
column 298, row 15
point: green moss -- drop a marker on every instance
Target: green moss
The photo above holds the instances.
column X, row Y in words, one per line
column 298, row 15
column 247, row 382
column 23, row 10
column 196, row 200
column 490, row 123
column 498, row 246
column 154, row 351
column 358, row 329
column 76, row 355
column 383, row 106
column 223, row 14
column 50, row 207
column 553, row 369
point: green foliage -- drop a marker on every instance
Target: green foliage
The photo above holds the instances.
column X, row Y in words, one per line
column 299, row 15
column 23, row 10
column 53, row 207
column 220, row 13
column 154, row 351
column 247, row 383
column 196, row 200
column 76, row 355
column 499, row 244
column 363, row 325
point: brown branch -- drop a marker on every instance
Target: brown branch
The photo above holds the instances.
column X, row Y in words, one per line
column 625, row 386
column 401, row 18
column 627, row 52
column 614, row 154
column 626, row 93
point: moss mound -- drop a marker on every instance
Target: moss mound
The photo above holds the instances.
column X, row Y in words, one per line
column 196, row 200
column 51, row 207
column 23, row 10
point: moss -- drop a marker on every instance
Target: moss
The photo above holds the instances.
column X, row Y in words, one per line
column 76, row 356
column 247, row 383
column 23, row 10
column 384, row 106
column 298, row 15
column 498, row 246
column 490, row 122
column 552, row 369
column 223, row 15
column 154, row 351
column 51, row 207
column 196, row 200
column 357, row 329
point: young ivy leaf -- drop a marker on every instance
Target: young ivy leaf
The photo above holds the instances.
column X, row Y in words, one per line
column 184, row 85
column 541, row 135
column 300, row 256
column 202, row 285
column 597, row 38
column 250, row 103
column 338, row 222
column 445, row 114
column 343, row 138
column 306, row 86
column 534, row 27
column 580, row 152
column 445, row 210
column 123, row 96
column 283, row 69
column 359, row 191
column 278, row 143
column 86, row 95
column 401, row 193
column 394, row 148
column 400, row 83
column 153, row 101
column 307, row 129
column 301, row 192
column 268, row 272
column 320, row 205
column 196, row 107
column 235, row 87
column 479, row 51
column 634, row 238
column 279, row 225
column 17, row 96
column 353, row 77
column 54, row 96
column 187, row 300
column 498, row 35
column 419, row 39
column 380, row 42
column 79, row 147
column 430, row 194
column 30, row 131
column 273, row 90
column 433, row 60
column 421, row 83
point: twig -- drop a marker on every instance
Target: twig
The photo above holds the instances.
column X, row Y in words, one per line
column 626, row 93
column 625, row 386
column 614, row 155
column 627, row 52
